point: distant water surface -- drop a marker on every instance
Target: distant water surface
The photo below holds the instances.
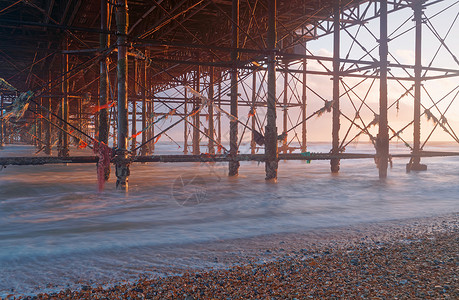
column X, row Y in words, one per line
column 56, row 230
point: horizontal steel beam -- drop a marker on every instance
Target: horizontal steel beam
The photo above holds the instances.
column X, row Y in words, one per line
column 5, row 161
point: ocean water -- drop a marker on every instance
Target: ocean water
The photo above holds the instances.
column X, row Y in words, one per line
column 58, row 231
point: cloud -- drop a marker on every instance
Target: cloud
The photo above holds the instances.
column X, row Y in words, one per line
column 404, row 56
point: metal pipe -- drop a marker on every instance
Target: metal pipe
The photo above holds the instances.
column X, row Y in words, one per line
column 143, row 82
column 196, row 117
column 219, row 115
column 185, row 124
column 253, row 144
column 47, row 149
column 211, row 111
column 134, row 108
column 64, row 149
column 303, row 109
column 285, row 110
column 1, row 122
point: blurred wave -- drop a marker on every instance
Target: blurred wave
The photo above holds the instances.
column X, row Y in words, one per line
column 54, row 223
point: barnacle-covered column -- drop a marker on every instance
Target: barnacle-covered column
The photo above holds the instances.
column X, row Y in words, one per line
column 234, row 164
column 415, row 163
column 383, row 134
column 271, row 154
column 122, row 154
column 103, row 118
column 334, row 162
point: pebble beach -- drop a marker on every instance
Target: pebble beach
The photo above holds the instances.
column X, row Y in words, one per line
column 408, row 259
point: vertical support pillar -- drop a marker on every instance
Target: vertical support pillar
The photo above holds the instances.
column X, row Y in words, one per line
column 49, row 116
column 151, row 108
column 253, row 144
column 96, row 114
column 334, row 162
column 134, row 107
column 122, row 155
column 271, row 154
column 211, row 111
column 143, row 82
column 383, row 134
column 185, row 124
column 219, row 115
column 64, row 149
column 47, row 128
column 114, row 123
column 1, row 122
column 285, row 110
column 103, row 129
column 415, row 163
column 233, row 164
column 40, row 125
column 104, row 126
column 303, row 109
column 152, row 111
column 80, row 116
column 196, row 117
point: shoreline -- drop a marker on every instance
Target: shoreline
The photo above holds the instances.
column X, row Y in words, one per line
column 309, row 251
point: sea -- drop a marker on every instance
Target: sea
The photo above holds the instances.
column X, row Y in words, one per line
column 58, row 231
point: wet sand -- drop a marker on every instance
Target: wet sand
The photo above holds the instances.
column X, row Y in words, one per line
column 415, row 258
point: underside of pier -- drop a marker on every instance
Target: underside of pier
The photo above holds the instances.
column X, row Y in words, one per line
column 209, row 76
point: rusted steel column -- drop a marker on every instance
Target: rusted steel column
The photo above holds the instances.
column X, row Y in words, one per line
column 122, row 154
column 40, row 125
column 271, row 128
column 219, row 115
column 303, row 109
column 134, row 108
column 152, row 128
column 334, row 162
column 253, row 144
column 151, row 107
column 104, row 126
column 48, row 106
column 47, row 128
column 383, row 135
column 196, row 117
column 211, row 111
column 416, row 161
column 185, row 124
column 143, row 82
column 1, row 123
column 64, row 149
column 234, row 165
column 285, row 110
column 114, row 125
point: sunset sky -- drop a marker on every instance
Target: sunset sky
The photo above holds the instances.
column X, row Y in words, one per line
column 402, row 49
